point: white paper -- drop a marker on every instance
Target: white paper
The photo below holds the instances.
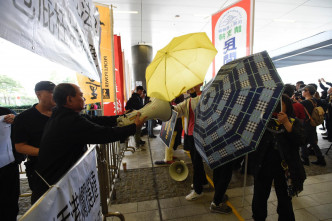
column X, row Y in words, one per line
column 6, row 151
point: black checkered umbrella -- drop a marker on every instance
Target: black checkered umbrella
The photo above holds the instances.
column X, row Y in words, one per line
column 235, row 107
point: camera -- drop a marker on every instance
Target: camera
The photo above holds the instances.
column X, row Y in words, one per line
column 298, row 95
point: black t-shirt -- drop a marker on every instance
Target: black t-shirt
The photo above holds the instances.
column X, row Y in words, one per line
column 135, row 102
column 66, row 135
column 28, row 127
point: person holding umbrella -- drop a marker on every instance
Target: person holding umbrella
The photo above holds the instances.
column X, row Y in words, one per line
column 278, row 161
column 186, row 109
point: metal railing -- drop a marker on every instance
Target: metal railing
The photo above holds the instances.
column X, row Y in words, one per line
column 109, row 158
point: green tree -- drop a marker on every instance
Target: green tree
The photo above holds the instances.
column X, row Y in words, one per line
column 8, row 87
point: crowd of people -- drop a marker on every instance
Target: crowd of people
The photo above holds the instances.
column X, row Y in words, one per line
column 281, row 155
column 53, row 135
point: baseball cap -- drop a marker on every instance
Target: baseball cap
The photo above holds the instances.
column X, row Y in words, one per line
column 309, row 88
column 44, row 86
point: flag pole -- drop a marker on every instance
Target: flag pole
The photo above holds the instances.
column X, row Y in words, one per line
column 251, row 48
column 113, row 60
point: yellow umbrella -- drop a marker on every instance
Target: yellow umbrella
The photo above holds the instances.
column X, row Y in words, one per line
column 179, row 66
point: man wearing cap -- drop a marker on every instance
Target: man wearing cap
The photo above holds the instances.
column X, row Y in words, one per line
column 28, row 128
column 310, row 131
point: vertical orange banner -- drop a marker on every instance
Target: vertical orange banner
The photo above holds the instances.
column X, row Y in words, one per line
column 106, row 53
column 232, row 33
column 91, row 89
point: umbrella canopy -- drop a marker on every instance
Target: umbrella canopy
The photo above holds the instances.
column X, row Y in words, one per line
column 235, row 108
column 179, row 66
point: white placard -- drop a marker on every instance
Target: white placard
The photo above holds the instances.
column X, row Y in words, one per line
column 75, row 197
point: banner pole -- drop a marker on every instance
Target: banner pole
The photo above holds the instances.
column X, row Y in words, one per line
column 101, row 81
column 251, row 48
column 252, row 18
column 113, row 60
column 102, row 97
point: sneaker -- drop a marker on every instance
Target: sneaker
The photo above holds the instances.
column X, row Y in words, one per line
column 193, row 195
column 205, row 186
column 139, row 149
column 221, row 208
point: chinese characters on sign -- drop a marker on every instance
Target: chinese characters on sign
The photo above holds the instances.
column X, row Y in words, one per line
column 75, row 197
column 231, row 33
column 80, row 205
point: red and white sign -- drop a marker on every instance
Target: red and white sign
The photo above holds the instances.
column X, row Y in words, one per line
column 232, row 33
column 117, row 108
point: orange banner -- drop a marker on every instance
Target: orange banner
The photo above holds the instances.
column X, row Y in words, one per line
column 106, row 23
column 90, row 88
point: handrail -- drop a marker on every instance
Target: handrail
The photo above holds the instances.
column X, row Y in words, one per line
column 109, row 158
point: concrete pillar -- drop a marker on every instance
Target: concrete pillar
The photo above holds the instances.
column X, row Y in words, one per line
column 141, row 58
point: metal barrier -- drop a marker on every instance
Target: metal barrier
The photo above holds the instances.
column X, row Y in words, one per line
column 109, row 158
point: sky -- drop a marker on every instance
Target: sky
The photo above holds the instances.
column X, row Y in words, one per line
column 29, row 68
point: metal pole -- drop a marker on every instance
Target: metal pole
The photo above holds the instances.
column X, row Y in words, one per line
column 112, row 43
column 251, row 49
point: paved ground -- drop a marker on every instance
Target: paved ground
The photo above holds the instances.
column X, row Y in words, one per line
column 314, row 203
column 138, row 199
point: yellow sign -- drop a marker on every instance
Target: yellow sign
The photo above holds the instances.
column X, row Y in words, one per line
column 90, row 88
column 106, row 51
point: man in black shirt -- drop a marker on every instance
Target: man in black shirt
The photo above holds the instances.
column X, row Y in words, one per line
column 29, row 126
column 310, row 131
column 67, row 133
column 9, row 173
column 135, row 102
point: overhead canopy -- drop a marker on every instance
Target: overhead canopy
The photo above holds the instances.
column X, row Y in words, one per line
column 312, row 49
